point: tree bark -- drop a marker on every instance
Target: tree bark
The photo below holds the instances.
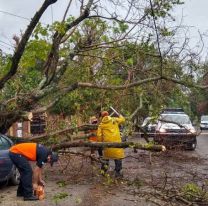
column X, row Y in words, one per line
column 85, row 127
column 21, row 47
column 156, row 148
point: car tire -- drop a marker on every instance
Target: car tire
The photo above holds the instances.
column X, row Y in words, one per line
column 191, row 146
column 15, row 177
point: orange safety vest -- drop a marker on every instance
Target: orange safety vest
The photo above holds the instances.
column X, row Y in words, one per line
column 27, row 150
column 93, row 138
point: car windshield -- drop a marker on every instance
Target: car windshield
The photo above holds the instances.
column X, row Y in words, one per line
column 204, row 118
column 178, row 119
column 148, row 121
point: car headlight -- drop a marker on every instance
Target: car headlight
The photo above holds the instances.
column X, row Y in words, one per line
column 192, row 130
column 162, row 130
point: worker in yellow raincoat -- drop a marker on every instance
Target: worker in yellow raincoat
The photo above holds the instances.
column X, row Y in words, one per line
column 108, row 131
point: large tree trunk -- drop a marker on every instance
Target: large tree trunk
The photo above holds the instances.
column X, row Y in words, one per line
column 6, row 121
column 110, row 144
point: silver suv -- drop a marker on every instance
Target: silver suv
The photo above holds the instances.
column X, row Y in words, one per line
column 148, row 127
column 175, row 128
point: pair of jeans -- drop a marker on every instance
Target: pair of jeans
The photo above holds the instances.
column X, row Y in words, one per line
column 118, row 165
column 100, row 151
column 25, row 188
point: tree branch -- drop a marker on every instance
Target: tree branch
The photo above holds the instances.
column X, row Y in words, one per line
column 63, row 131
column 21, row 47
column 50, row 66
column 133, row 145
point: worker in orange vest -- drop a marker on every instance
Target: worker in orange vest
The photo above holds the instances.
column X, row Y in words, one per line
column 93, row 138
column 20, row 155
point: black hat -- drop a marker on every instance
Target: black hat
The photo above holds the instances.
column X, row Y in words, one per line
column 54, row 158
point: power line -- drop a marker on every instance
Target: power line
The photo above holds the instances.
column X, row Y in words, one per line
column 5, row 46
column 21, row 17
column 11, row 14
column 6, row 43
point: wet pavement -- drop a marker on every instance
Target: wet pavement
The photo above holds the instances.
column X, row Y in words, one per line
column 142, row 171
column 202, row 144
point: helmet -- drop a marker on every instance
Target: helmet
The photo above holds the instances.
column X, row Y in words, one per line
column 104, row 113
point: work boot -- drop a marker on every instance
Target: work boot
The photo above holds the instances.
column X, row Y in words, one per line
column 19, row 194
column 118, row 175
column 31, row 198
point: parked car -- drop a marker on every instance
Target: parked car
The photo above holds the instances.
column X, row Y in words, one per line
column 148, row 127
column 175, row 128
column 204, row 122
column 8, row 172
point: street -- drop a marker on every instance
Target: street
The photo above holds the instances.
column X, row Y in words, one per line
column 82, row 185
column 202, row 144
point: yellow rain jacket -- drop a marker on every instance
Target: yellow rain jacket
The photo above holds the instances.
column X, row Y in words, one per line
column 108, row 131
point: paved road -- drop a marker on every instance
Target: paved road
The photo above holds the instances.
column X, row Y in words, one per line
column 202, row 144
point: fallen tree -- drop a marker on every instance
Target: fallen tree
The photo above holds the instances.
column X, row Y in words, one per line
column 72, row 140
column 68, row 130
column 69, row 144
column 132, row 145
column 96, row 50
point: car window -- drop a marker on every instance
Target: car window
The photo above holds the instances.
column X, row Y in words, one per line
column 146, row 121
column 204, row 118
column 149, row 121
column 4, row 144
column 179, row 119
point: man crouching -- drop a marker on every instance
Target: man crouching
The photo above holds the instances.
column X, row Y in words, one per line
column 20, row 155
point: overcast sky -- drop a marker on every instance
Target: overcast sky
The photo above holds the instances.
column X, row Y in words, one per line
column 194, row 14
column 10, row 25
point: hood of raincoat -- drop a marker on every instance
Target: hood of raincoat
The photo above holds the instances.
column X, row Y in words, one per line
column 106, row 119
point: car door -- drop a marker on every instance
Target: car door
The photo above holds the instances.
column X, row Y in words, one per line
column 5, row 162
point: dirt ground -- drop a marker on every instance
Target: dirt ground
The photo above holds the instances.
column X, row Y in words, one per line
column 149, row 179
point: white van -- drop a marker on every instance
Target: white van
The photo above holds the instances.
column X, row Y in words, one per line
column 204, row 122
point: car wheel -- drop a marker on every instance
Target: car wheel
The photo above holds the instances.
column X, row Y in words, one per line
column 15, row 178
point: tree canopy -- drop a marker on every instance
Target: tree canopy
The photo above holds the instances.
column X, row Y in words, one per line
column 120, row 53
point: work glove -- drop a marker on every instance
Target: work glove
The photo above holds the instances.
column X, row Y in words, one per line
column 42, row 183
